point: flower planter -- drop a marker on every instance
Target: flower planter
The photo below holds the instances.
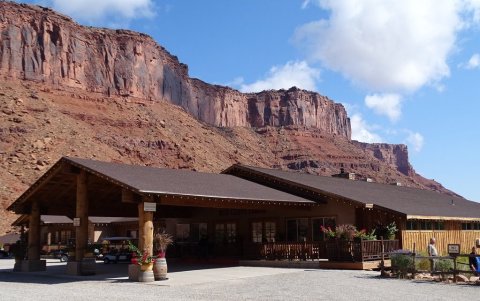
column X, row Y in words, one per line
column 160, row 269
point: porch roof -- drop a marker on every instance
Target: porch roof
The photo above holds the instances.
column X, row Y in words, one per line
column 56, row 188
column 412, row 202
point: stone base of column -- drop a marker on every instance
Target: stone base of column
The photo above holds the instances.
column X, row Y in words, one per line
column 30, row 266
column 85, row 267
column 133, row 271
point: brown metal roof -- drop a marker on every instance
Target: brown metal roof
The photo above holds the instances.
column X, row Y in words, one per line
column 152, row 180
column 58, row 184
column 415, row 203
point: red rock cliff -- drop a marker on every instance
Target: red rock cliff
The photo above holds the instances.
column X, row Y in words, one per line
column 41, row 45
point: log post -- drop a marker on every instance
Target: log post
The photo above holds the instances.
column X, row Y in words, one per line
column 145, row 227
column 34, row 233
column 81, row 232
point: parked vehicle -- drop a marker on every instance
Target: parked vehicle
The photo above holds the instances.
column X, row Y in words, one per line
column 4, row 254
column 61, row 254
column 115, row 257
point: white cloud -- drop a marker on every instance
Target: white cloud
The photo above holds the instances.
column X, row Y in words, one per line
column 361, row 131
column 389, row 105
column 98, row 10
column 416, row 141
column 473, row 62
column 298, row 74
column 385, row 46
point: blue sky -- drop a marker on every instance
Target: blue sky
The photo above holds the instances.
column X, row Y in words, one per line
column 407, row 71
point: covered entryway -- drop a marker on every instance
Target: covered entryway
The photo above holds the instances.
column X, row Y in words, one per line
column 160, row 198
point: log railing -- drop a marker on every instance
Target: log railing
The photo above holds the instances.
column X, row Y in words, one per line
column 334, row 250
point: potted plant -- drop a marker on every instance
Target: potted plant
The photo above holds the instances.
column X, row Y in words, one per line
column 160, row 242
column 144, row 260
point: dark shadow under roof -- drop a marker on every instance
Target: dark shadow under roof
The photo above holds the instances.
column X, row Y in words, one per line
column 415, row 203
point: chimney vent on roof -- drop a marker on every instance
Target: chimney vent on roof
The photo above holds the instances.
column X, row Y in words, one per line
column 345, row 175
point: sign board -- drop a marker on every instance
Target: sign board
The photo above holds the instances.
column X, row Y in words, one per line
column 76, row 222
column 453, row 249
column 152, row 207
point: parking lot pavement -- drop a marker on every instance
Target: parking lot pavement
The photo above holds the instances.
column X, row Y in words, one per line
column 226, row 283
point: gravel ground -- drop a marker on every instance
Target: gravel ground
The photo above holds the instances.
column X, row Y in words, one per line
column 235, row 283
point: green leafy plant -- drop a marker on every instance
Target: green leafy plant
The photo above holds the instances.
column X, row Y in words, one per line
column 139, row 257
column 329, row 233
column 422, row 264
column 363, row 234
column 402, row 262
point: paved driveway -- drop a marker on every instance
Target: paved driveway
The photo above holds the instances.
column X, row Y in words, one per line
column 216, row 283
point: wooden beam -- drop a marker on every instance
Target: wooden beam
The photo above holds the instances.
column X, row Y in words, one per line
column 127, row 196
column 228, row 203
column 81, row 238
column 34, row 233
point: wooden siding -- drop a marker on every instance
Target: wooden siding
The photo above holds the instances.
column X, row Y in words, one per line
column 451, row 235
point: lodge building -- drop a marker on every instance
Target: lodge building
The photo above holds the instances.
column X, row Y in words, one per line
column 244, row 212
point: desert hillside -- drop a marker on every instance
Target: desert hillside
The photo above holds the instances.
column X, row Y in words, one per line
column 69, row 90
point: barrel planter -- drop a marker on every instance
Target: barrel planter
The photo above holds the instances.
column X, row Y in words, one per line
column 146, row 273
column 160, row 269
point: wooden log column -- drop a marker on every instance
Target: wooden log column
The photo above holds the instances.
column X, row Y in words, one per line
column 34, row 233
column 81, row 232
column 145, row 226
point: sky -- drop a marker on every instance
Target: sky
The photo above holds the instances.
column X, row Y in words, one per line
column 407, row 71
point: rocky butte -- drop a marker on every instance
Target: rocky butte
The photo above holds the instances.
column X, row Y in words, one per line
column 40, row 45
column 117, row 95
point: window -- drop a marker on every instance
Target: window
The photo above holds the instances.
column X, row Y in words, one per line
column 297, row 229
column 270, row 231
column 263, row 231
column 257, row 233
column 438, row 226
column 65, row 236
column 318, row 223
column 470, row 226
column 132, row 233
column 226, row 233
column 183, row 232
column 425, row 225
column 198, row 231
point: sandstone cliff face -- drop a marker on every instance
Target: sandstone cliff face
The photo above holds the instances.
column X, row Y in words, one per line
column 394, row 154
column 40, row 45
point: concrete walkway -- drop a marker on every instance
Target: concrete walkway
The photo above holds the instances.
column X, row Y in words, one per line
column 222, row 283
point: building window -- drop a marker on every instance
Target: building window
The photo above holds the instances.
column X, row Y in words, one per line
column 183, row 232
column 132, row 233
column 270, row 231
column 470, row 226
column 257, row 232
column 438, row 226
column 226, row 233
column 198, row 231
column 264, row 232
column 297, row 229
column 425, row 225
column 318, row 223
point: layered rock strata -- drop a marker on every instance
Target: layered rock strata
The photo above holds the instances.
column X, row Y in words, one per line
column 41, row 45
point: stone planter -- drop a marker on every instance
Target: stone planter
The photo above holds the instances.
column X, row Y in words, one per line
column 160, row 269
